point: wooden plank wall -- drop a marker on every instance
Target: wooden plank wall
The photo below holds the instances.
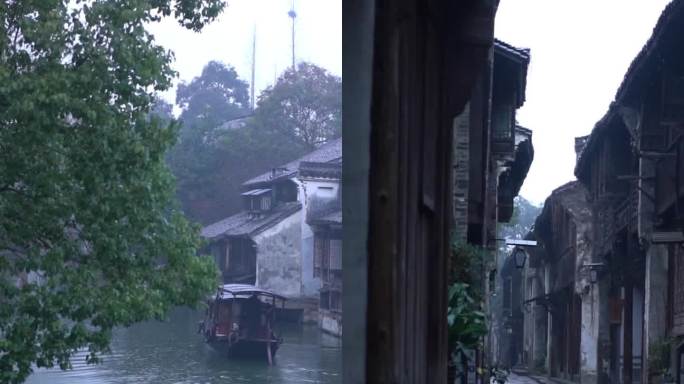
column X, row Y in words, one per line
column 425, row 56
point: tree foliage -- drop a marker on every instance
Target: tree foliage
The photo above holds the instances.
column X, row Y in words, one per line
column 162, row 110
column 211, row 161
column 216, row 96
column 465, row 319
column 89, row 237
column 467, row 265
column 304, row 105
column 199, row 159
column 522, row 222
column 524, row 215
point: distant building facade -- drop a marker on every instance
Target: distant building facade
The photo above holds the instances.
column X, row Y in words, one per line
column 554, row 304
column 321, row 181
column 270, row 244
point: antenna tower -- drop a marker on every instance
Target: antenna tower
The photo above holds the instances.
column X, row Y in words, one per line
column 253, row 66
column 293, row 16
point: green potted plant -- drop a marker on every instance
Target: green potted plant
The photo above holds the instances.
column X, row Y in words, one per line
column 659, row 361
column 466, row 320
column 466, row 325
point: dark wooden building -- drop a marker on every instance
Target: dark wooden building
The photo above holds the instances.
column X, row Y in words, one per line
column 632, row 166
column 492, row 155
column 605, row 163
column 565, row 236
column 410, row 67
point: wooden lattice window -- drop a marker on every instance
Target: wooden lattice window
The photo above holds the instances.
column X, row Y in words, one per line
column 319, row 245
column 321, row 257
column 502, row 118
column 266, row 203
column 336, row 255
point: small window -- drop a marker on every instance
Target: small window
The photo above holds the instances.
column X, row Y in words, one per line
column 502, row 117
column 325, row 300
column 266, row 203
column 335, row 302
column 325, row 191
column 257, row 199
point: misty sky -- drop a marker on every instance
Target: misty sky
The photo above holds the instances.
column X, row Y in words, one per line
column 318, row 39
column 581, row 50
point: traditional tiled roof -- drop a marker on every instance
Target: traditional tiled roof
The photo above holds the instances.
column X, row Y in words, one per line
column 594, row 138
column 669, row 25
column 519, row 56
column 320, row 170
column 249, row 224
column 522, row 54
column 572, row 197
column 256, row 192
column 327, row 153
column 669, row 22
column 244, row 291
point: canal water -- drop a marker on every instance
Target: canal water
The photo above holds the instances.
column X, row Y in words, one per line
column 173, row 353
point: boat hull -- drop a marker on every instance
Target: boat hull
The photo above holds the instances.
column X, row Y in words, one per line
column 248, row 349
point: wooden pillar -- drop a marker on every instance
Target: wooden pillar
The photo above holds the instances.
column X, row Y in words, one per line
column 627, row 332
column 655, row 301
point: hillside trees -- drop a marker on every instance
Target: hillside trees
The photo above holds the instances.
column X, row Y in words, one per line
column 213, row 158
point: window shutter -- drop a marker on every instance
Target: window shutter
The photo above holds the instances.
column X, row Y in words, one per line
column 325, row 254
column 336, row 255
column 318, row 251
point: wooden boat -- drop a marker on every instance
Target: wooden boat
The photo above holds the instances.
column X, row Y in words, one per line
column 239, row 322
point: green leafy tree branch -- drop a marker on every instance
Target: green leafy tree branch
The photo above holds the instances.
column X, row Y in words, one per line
column 89, row 235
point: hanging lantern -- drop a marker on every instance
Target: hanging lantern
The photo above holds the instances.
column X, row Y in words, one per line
column 519, row 257
column 593, row 276
column 594, row 271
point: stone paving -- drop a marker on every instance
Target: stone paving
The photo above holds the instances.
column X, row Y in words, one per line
column 514, row 378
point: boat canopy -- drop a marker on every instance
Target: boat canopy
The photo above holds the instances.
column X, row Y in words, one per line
column 244, row 291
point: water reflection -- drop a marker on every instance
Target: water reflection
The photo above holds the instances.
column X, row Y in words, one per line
column 172, row 352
